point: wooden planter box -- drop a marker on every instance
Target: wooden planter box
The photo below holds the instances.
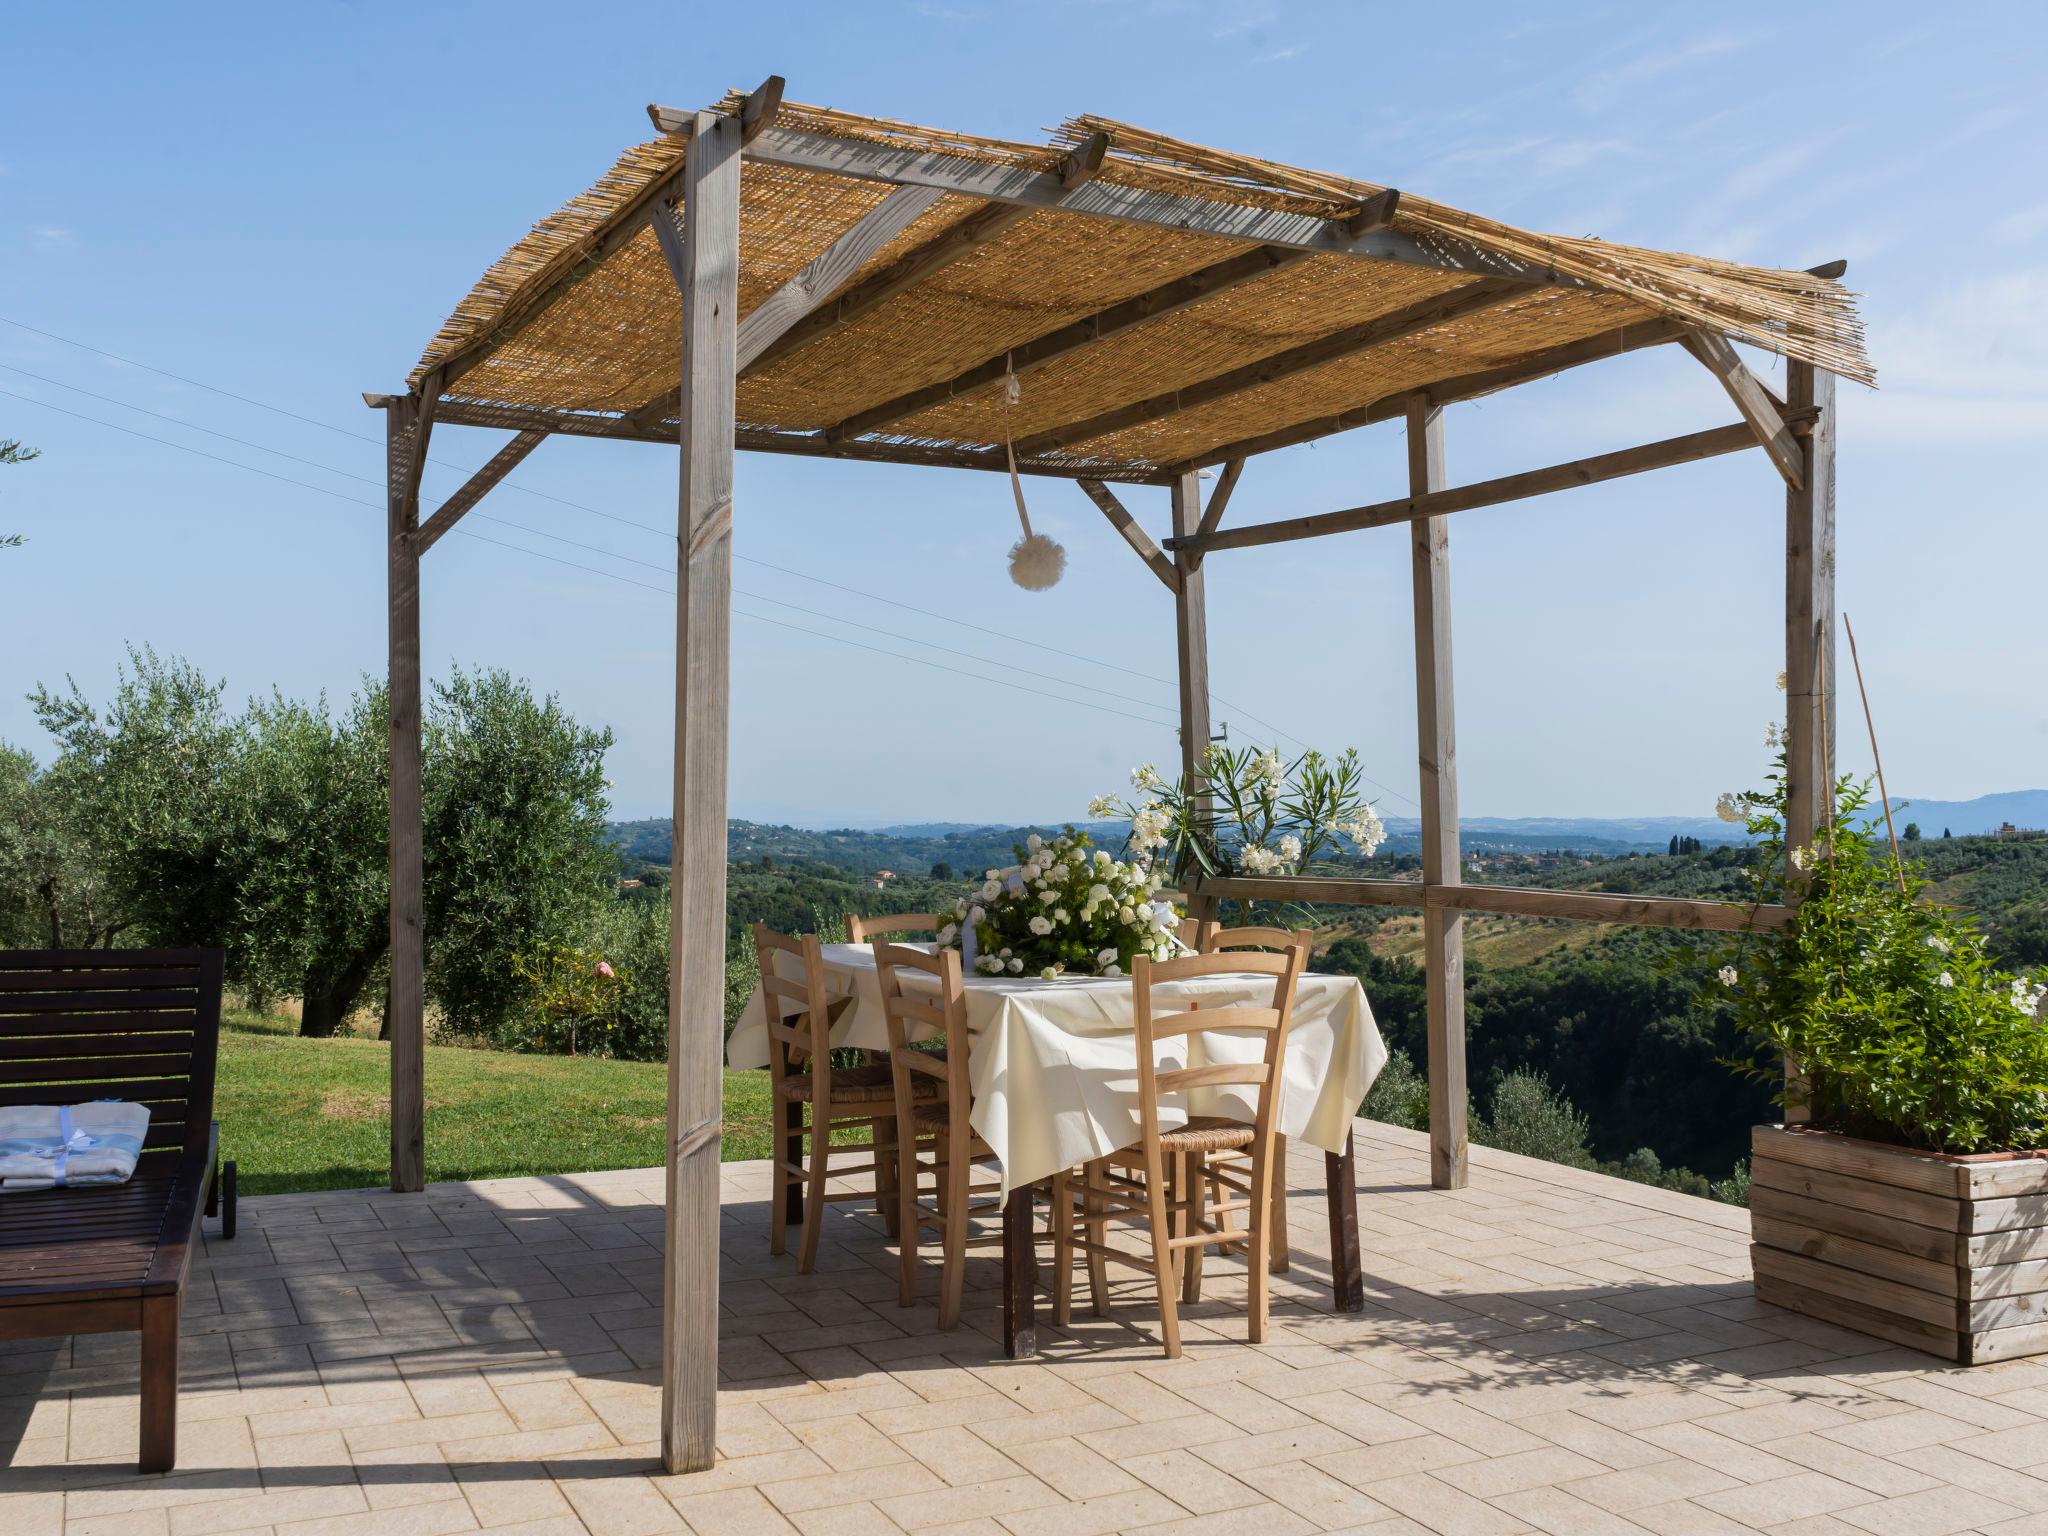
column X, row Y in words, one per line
column 1946, row 1254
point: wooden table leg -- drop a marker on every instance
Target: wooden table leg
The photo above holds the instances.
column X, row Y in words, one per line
column 1020, row 1276
column 1347, row 1271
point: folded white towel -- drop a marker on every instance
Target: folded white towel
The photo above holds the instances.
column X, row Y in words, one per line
column 43, row 1146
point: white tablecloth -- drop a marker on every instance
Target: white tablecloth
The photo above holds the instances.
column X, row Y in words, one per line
column 1055, row 1067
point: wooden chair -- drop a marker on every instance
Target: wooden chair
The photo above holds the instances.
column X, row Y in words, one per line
column 934, row 1120
column 860, row 930
column 800, row 1073
column 1107, row 1187
column 1228, row 1172
column 141, row 1025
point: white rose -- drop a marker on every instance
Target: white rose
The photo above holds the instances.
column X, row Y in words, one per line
column 1041, row 926
column 948, row 934
column 975, row 916
column 1048, row 973
column 1106, row 956
column 992, row 875
column 1125, row 914
column 1048, row 896
column 1034, row 842
column 1004, row 952
column 1059, row 915
column 1112, row 970
column 1016, row 967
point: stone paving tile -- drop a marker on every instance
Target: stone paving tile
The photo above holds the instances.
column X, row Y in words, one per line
column 1546, row 1350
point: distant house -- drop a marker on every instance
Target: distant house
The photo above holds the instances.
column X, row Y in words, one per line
column 2008, row 832
column 884, row 874
column 629, row 885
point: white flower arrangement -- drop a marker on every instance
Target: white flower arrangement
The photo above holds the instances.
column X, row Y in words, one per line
column 1067, row 907
column 1258, row 814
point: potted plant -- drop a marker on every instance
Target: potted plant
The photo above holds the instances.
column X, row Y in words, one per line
column 1912, row 1204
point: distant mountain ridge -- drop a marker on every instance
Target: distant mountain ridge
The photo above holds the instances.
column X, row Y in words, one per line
column 915, row 847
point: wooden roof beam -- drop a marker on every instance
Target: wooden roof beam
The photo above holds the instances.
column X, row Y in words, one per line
column 1438, row 309
column 1120, row 518
column 520, row 418
column 1485, row 493
column 1212, row 515
column 993, row 182
column 1465, row 386
column 1167, row 299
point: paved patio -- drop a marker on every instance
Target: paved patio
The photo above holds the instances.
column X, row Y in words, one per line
column 1547, row 1350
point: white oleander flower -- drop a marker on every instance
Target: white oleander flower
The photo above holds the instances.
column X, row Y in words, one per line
column 1796, row 858
column 1102, row 807
column 1260, row 861
column 1145, row 777
column 1781, row 682
column 1730, row 807
column 1728, row 976
column 1290, row 848
column 1938, row 944
column 1771, row 737
column 1041, row 926
column 1944, row 980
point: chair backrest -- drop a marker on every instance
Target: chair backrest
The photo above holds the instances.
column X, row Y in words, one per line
column 136, row 1024
column 1271, row 1020
column 809, row 1032
column 859, row 930
column 1216, row 939
column 917, row 1014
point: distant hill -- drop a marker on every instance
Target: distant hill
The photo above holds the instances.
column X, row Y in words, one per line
column 2025, row 808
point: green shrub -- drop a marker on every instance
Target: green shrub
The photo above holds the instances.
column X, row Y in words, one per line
column 1889, row 1004
column 1528, row 1116
column 1399, row 1095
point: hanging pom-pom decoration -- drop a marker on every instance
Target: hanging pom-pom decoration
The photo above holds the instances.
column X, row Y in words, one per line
column 1036, row 562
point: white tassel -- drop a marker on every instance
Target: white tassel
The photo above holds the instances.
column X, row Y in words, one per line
column 1036, row 562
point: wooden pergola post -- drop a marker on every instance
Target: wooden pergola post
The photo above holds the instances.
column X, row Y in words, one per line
column 1809, row 635
column 408, row 421
column 1191, row 643
column 1443, row 926
column 703, row 251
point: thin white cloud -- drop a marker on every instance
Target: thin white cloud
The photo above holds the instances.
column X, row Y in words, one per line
column 52, row 237
column 2023, row 224
column 1601, row 89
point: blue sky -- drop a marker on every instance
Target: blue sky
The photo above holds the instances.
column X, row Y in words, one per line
column 284, row 201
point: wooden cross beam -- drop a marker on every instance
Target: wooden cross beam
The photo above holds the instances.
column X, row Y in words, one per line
column 1137, row 205
column 1212, row 515
column 1120, row 518
column 1487, row 493
column 1167, row 299
column 501, row 464
column 1425, row 314
column 1759, row 407
column 1464, row 386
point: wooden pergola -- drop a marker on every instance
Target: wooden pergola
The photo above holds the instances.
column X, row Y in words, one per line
column 789, row 279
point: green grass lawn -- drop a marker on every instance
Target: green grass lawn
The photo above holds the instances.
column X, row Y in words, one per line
column 315, row 1114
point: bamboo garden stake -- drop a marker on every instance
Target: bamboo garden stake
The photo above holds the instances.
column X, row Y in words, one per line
column 1870, row 725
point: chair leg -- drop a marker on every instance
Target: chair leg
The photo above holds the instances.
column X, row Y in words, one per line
column 1062, row 1251
column 1194, row 1219
column 1278, row 1243
column 908, row 1175
column 1096, row 1225
column 886, row 1171
column 953, row 1277
column 160, row 1315
column 778, row 1184
column 1256, row 1271
column 814, row 1208
column 1165, row 1265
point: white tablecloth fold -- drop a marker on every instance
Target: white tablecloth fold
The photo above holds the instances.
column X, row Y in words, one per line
column 1055, row 1066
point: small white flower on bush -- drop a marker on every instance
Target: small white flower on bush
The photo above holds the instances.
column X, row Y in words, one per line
column 1796, row 858
column 1730, row 807
column 1771, row 737
column 1290, row 849
column 1938, row 944
column 1945, row 980
column 1145, row 779
column 1728, row 976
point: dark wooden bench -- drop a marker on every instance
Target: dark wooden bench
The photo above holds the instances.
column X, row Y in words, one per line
column 141, row 1025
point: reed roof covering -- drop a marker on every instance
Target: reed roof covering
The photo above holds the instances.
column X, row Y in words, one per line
column 581, row 315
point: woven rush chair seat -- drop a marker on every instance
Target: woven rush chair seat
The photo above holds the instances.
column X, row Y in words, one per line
column 1206, row 1133
column 872, row 1084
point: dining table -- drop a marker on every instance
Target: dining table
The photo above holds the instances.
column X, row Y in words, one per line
column 1052, row 1064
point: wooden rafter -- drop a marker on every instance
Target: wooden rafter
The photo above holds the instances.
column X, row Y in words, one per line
column 1167, row 299
column 1465, row 386
column 1120, row 518
column 473, row 490
column 1381, row 330
column 1486, row 493
column 1376, row 212
column 1136, row 205
column 913, row 267
column 1759, row 407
